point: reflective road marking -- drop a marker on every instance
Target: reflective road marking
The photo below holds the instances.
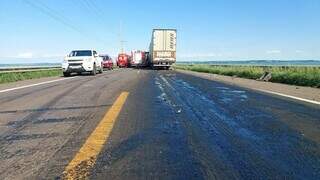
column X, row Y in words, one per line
column 288, row 96
column 80, row 166
column 37, row 84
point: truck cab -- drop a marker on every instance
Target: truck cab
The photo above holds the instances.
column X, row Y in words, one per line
column 123, row 60
column 79, row 61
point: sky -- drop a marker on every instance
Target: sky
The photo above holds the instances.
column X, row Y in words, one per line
column 33, row 31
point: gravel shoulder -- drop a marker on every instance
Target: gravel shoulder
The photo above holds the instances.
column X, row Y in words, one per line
column 297, row 91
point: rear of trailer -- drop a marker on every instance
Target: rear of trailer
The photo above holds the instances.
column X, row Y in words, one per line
column 163, row 47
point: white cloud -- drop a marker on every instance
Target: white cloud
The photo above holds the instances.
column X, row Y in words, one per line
column 25, row 55
column 274, row 51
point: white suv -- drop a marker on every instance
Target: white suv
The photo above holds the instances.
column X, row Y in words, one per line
column 79, row 61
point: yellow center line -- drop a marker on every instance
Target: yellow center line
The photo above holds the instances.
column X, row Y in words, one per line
column 80, row 166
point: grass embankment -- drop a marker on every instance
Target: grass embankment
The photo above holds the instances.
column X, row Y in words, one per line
column 294, row 75
column 6, row 77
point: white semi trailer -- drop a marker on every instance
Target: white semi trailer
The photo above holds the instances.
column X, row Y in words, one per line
column 163, row 48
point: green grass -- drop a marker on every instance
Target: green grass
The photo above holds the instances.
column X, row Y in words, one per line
column 7, row 77
column 294, row 75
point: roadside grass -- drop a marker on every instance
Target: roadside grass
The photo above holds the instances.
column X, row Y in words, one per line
column 6, row 77
column 294, row 75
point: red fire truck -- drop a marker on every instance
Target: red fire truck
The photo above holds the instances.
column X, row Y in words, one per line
column 138, row 59
column 123, row 60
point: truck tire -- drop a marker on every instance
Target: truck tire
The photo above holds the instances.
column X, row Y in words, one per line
column 66, row 74
column 94, row 71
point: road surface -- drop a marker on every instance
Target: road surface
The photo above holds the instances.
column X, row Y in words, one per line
column 144, row 124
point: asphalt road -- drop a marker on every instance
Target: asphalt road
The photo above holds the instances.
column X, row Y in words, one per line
column 171, row 126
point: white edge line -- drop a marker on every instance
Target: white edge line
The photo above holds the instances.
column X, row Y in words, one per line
column 288, row 96
column 37, row 84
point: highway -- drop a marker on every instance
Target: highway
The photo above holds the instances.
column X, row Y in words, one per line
column 147, row 124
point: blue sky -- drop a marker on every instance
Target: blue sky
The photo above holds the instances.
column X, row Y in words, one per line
column 46, row 30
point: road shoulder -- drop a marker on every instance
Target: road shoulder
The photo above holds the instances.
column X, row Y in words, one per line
column 27, row 82
column 307, row 93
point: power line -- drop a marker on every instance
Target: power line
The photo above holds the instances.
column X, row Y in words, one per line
column 54, row 16
column 60, row 18
column 94, row 9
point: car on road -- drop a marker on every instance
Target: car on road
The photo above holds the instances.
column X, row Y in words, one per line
column 107, row 62
column 79, row 61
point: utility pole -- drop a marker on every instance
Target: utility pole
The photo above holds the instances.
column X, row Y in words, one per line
column 122, row 42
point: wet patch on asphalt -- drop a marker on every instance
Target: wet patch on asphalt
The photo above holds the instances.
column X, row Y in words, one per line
column 148, row 145
column 251, row 141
